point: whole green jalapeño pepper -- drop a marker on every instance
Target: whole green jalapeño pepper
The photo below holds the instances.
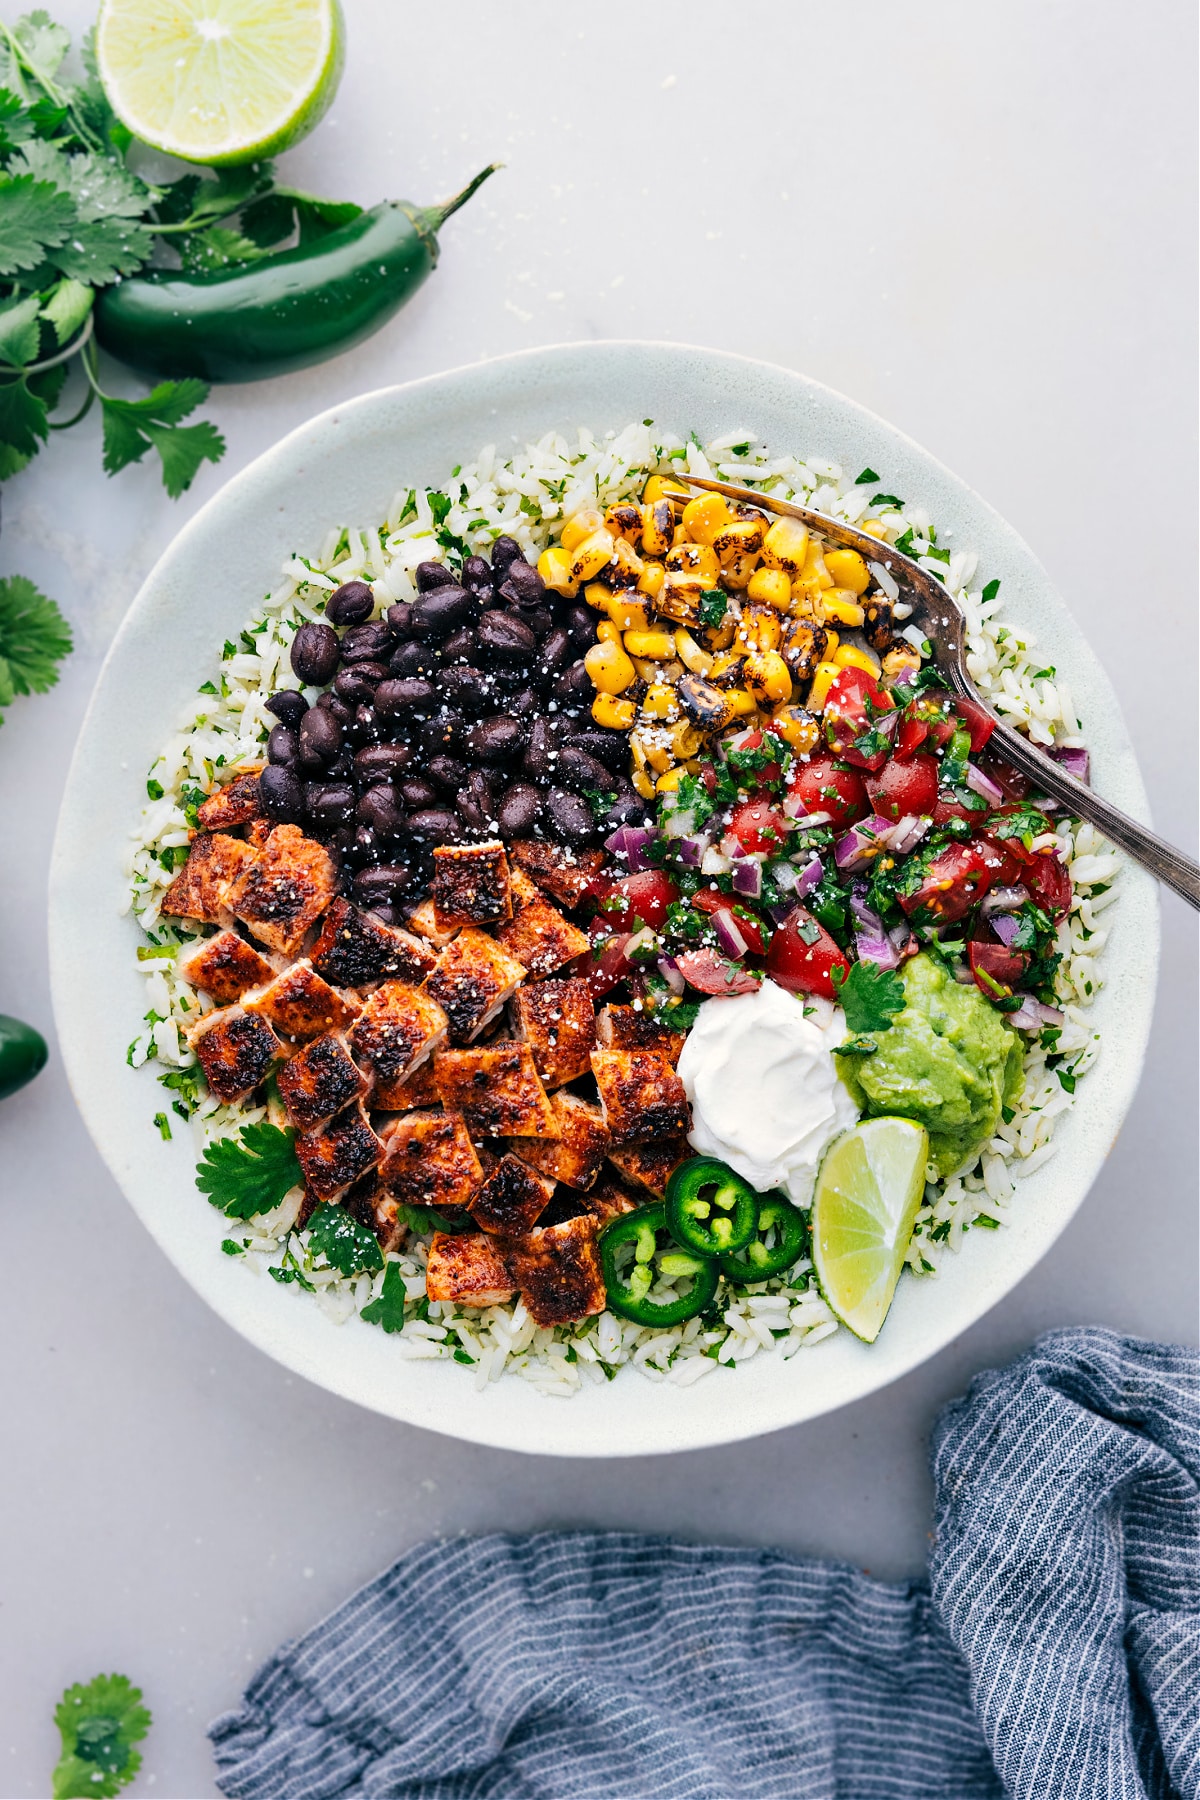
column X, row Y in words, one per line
column 710, row 1209
column 637, row 1251
column 283, row 312
column 22, row 1055
column 779, row 1241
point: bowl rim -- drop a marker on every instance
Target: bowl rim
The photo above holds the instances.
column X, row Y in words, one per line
column 694, row 1430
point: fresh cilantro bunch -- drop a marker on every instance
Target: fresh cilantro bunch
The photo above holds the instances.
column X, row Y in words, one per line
column 100, row 1721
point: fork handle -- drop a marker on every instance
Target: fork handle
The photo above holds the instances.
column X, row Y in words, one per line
column 1171, row 866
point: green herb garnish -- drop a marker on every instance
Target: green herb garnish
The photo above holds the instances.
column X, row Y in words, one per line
column 100, row 1721
column 250, row 1173
column 869, row 996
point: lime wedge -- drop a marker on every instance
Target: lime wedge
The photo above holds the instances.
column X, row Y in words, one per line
column 867, row 1195
column 220, row 81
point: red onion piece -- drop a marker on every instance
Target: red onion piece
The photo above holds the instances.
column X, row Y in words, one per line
column 983, row 785
column 1006, row 927
column 747, row 878
column 691, row 850
column 669, row 969
column 811, row 876
column 631, row 841
column 861, row 844
column 907, row 833
column 680, row 822
column 1075, row 760
column 1004, row 900
column 1033, row 1014
column 728, row 936
column 870, row 939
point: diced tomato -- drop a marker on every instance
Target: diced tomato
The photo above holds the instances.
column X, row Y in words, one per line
column 955, row 879
column 851, row 710
column 995, row 963
column 1014, row 845
column 904, row 787
column 1009, row 780
column 911, row 735
column 1007, row 869
column 754, row 739
column 607, row 963
column 711, row 973
column 759, row 826
column 977, row 719
column 824, row 787
column 705, row 900
column 802, row 956
column 924, row 721
column 645, row 896
column 949, row 806
column 1049, row 881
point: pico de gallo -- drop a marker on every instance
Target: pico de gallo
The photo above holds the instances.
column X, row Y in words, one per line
column 898, row 832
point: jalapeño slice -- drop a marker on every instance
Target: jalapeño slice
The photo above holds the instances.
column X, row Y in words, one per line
column 710, row 1209
column 636, row 1252
column 778, row 1243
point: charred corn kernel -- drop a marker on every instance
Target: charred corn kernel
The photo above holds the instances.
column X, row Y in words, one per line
column 873, row 528
column 808, row 645
column 806, row 597
column 651, row 579
column 697, row 560
column 624, row 520
column 690, row 654
column 607, row 632
column 626, row 612
column 610, row 669
column 613, row 714
column 737, row 572
column 642, row 784
column 849, row 656
column 662, row 487
column 658, row 527
column 679, row 597
column 666, row 784
column 597, row 595
column 740, row 537
column 832, row 640
column 786, row 546
column 646, row 670
column 840, row 604
column 797, row 728
column 686, row 741
column 719, row 637
column 814, row 566
column 726, row 669
column 679, row 536
column 827, row 673
column 658, row 757
column 741, row 702
column 897, row 661
column 848, row 570
column 703, row 518
column 661, row 702
column 637, row 750
column 759, row 629
column 771, row 587
column 659, row 646
column 768, row 677
column 592, row 555
column 554, row 567
column 581, row 526
column 627, row 565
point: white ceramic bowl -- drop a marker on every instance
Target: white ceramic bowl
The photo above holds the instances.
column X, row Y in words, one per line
column 344, row 467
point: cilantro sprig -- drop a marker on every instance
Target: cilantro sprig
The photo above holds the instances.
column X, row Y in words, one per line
column 34, row 638
column 100, row 1722
column 251, row 1172
column 869, row 996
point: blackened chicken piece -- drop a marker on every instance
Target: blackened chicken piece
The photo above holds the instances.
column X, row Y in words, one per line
column 319, row 1081
column 216, row 864
column 496, row 1090
column 473, row 979
column 423, row 920
column 468, row 1270
column 337, row 1155
column 399, row 1029
column 566, row 875
column 557, row 1270
column 299, row 1005
column 642, row 1096
column 286, row 890
column 511, row 1200
column 558, row 1021
column 577, row 1155
column 416, row 1090
column 537, row 934
column 236, row 1051
column 371, row 1203
column 650, row 1166
column 355, row 949
column 225, row 966
column 234, row 804
column 471, row 885
column 430, row 1160
column 630, row 1028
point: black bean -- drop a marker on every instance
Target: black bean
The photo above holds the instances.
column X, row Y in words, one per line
column 447, row 773
column 460, row 646
column 539, row 619
column 443, row 735
column 342, row 766
column 522, row 585
column 381, row 762
column 381, row 811
column 320, row 738
column 436, row 823
column 477, row 577
column 288, row 706
column 417, row 793
column 436, row 615
column 401, row 695
column 351, row 604
column 413, row 659
column 475, row 817
column 432, row 575
column 609, row 747
column 464, row 688
column 366, row 846
column 576, row 769
column 520, row 810
column 282, row 745
column 366, row 728
column 315, row 654
column 337, row 709
column 374, row 888
column 399, row 619
column 505, row 638
column 570, row 817
column 355, row 688
column 503, row 551
column 367, row 643
column 581, row 622
column 538, row 760
column 495, row 740
column 479, row 791
column 333, row 804
column 280, row 795
column 573, row 685
column 555, row 652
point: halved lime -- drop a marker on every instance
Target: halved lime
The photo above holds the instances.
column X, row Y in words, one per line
column 220, row 81
column 867, row 1195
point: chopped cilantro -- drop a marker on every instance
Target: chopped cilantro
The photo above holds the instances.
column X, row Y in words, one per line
column 388, row 1309
column 164, row 1127
column 346, row 1245
column 869, row 996
column 231, row 1247
column 714, row 604
column 249, row 1173
column 439, row 506
column 864, row 480
column 155, row 789
column 991, row 590
column 887, row 500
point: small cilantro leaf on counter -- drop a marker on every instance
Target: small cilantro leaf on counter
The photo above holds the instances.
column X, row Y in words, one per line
column 346, row 1245
column 100, row 1722
column 249, row 1173
column 869, row 996
column 388, row 1310
column 34, row 638
column 131, row 427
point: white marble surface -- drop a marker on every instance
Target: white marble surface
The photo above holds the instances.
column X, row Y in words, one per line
column 979, row 222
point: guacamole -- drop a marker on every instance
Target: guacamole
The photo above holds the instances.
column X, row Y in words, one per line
column 948, row 1061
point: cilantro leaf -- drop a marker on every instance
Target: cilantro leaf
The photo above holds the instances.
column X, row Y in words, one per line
column 868, row 475
column 714, row 604
column 20, row 333
column 1024, row 821
column 43, row 42
column 284, row 210
column 34, row 637
column 888, row 500
column 98, row 252
column 34, row 217
column 131, row 427
column 346, row 1245
column 991, row 590
column 67, row 308
column 100, row 1722
column 23, row 424
column 388, row 1310
column 869, row 996
column 249, row 1173
column 218, row 248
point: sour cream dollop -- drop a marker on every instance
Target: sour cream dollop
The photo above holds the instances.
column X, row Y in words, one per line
column 765, row 1092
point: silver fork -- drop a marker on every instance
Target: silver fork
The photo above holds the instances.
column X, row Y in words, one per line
column 937, row 617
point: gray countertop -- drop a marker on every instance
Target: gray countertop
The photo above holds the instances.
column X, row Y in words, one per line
column 980, row 222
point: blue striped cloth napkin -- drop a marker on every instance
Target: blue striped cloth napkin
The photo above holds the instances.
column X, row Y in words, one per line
column 1054, row 1654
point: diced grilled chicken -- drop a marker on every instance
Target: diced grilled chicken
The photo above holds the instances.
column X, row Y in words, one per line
column 355, row 949
column 234, row 804
column 538, row 935
column 399, row 1027
column 225, row 966
column 236, row 1051
column 566, row 875
column 257, row 832
column 557, row 1270
column 606, row 1201
column 371, row 1203
column 423, row 920
column 202, row 889
column 629, row 1028
column 558, row 1022
column 469, row 1270
column 576, row 1156
column 650, row 1166
column 319, row 1081
column 473, row 979
column 287, row 890
column 470, row 885
column 511, row 1200
column 300, row 1005
column 430, row 1160
column 416, row 1090
column 642, row 1096
column 496, row 1089
column 338, row 1154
